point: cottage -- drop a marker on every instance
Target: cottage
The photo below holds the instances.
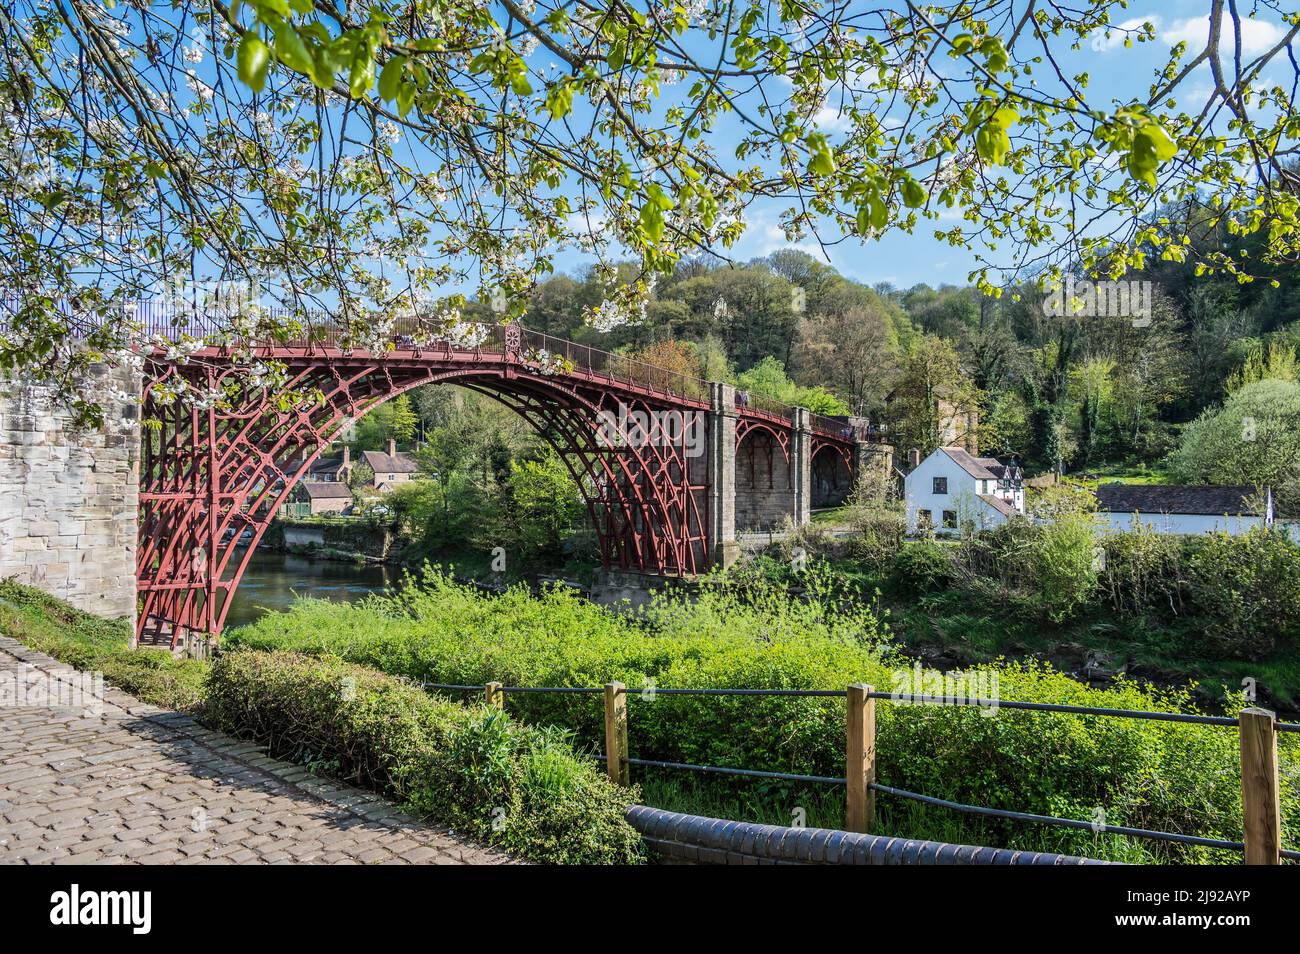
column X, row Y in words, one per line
column 326, row 496
column 1184, row 509
column 333, row 468
column 390, row 468
column 952, row 489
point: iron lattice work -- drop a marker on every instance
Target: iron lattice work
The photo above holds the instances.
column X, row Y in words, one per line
column 211, row 479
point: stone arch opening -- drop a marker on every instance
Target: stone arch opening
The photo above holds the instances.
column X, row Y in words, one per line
column 832, row 481
column 764, row 479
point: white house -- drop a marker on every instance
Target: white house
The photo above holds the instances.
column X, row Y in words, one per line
column 952, row 489
column 1184, row 509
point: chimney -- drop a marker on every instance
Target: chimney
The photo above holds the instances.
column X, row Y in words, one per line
column 347, row 455
column 913, row 458
column 392, row 447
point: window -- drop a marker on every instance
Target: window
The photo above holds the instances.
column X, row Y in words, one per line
column 924, row 519
column 940, row 485
column 950, row 519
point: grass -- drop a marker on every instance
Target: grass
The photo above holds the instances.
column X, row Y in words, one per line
column 91, row 644
column 1123, row 474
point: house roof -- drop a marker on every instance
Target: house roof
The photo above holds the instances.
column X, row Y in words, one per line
column 327, row 465
column 1001, row 506
column 326, row 489
column 981, row 468
column 1217, row 501
column 382, row 463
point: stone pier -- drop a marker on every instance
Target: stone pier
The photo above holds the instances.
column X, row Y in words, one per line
column 68, row 499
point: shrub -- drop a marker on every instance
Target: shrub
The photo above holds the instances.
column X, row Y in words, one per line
column 1160, row 775
column 474, row 769
column 1245, row 589
column 1048, row 568
column 1141, row 573
column 1236, row 596
column 920, row 567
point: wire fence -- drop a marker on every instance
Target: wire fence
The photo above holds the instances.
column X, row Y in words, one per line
column 1262, row 843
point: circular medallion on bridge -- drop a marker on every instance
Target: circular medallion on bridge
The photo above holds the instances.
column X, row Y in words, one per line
column 514, row 337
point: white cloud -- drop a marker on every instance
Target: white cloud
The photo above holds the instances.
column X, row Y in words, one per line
column 830, row 119
column 1101, row 43
column 1257, row 36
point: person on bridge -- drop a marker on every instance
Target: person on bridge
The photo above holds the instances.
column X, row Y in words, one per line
column 199, row 565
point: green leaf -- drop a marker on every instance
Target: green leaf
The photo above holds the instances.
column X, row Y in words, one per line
column 405, row 98
column 913, row 193
column 362, row 75
column 391, row 77
column 559, row 100
column 253, row 60
column 290, row 49
column 652, row 222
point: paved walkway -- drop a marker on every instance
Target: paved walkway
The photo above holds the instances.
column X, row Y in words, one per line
column 134, row 783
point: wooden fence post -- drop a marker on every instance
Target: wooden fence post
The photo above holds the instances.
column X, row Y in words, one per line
column 494, row 696
column 1261, row 805
column 860, row 759
column 616, row 733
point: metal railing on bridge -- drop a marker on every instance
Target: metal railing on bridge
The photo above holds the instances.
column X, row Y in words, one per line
column 274, row 326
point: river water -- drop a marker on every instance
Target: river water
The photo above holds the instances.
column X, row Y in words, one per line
column 274, row 580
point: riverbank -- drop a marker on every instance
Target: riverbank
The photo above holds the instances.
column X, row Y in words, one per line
column 1160, row 775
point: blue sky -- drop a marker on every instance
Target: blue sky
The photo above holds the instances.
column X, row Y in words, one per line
column 1117, row 75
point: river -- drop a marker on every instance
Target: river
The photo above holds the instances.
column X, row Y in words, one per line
column 274, row 580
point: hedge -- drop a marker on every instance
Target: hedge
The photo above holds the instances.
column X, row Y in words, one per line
column 475, row 769
column 1162, row 775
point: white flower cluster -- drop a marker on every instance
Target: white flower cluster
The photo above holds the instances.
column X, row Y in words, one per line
column 544, row 362
column 608, row 315
column 461, row 334
column 179, row 351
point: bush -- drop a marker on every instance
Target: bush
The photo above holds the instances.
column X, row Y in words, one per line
column 921, row 567
column 1236, row 596
column 1244, row 590
column 1047, row 569
column 474, row 769
column 1160, row 775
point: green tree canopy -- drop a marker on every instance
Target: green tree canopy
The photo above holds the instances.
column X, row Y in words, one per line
column 1253, row 439
column 368, row 158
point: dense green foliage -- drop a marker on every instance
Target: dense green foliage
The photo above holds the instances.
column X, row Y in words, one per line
column 1219, row 595
column 1159, row 775
column 91, row 644
column 472, row 768
column 1253, row 439
column 489, row 481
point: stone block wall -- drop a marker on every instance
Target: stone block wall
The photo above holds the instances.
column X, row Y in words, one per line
column 68, row 499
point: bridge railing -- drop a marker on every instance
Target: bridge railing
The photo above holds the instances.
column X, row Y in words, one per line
column 617, row 366
column 166, row 319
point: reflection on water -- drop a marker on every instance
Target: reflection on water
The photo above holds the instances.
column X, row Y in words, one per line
column 274, row 580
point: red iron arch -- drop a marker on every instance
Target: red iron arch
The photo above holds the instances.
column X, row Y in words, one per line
column 214, row 473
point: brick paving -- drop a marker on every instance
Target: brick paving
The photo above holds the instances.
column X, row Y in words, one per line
column 137, row 784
